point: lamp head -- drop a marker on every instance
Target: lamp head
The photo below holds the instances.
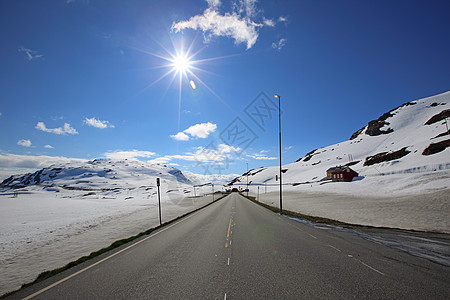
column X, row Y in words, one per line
column 277, row 96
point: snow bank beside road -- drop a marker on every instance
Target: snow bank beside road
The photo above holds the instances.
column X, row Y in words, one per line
column 43, row 230
column 423, row 212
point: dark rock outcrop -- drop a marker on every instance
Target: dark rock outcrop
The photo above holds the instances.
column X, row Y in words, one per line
column 436, row 147
column 439, row 117
column 386, row 156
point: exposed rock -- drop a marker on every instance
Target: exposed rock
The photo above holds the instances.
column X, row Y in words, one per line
column 357, row 133
column 386, row 156
column 308, row 156
column 438, row 117
column 436, row 147
column 374, row 127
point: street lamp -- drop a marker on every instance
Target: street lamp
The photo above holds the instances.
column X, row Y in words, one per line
column 279, row 129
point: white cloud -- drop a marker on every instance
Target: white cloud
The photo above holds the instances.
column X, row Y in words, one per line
column 227, row 25
column 24, row 143
column 11, row 164
column 279, row 45
column 93, row 122
column 49, row 147
column 208, row 155
column 246, row 6
column 31, row 54
column 180, row 136
column 214, row 3
column 163, row 160
column 201, row 155
column 282, row 19
column 131, row 154
column 202, row 130
column 261, row 156
column 66, row 129
column 241, row 23
column 269, row 22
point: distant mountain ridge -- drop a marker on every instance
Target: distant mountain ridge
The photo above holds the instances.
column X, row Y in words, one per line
column 411, row 138
column 99, row 174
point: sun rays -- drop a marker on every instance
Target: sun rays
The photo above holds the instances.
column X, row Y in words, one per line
column 182, row 68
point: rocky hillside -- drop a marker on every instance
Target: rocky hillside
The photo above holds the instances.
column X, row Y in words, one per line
column 412, row 138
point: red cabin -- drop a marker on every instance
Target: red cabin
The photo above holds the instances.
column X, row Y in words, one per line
column 341, row 174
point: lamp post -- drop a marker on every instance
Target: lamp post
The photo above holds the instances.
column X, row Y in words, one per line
column 247, row 179
column 279, row 129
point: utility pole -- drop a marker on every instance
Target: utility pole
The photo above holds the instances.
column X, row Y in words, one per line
column 279, row 129
column 247, row 179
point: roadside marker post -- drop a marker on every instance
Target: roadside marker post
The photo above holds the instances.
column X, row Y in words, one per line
column 159, row 200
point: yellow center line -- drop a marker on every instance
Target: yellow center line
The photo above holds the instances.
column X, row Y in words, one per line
column 228, row 233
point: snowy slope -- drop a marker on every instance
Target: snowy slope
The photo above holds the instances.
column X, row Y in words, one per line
column 99, row 174
column 402, row 131
column 60, row 213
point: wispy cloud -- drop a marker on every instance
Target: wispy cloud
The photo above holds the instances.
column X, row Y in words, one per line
column 49, row 147
column 30, row 54
column 24, row 143
column 246, row 7
column 201, row 130
column 240, row 24
column 214, row 3
column 279, row 45
column 208, row 155
column 14, row 164
column 66, row 129
column 131, row 154
column 93, row 122
column 261, row 156
column 200, row 155
column 282, row 19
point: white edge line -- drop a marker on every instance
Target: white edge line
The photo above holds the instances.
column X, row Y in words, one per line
column 373, row 269
column 105, row 259
column 334, row 248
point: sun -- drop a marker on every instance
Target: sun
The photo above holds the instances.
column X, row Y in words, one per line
column 182, row 66
column 181, row 63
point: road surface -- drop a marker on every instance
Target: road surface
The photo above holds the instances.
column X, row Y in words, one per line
column 235, row 249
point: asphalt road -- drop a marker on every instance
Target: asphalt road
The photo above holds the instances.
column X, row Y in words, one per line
column 235, row 249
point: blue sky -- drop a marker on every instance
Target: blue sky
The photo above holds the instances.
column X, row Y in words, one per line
column 85, row 79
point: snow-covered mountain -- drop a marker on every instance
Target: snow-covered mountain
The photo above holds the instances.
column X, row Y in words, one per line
column 98, row 175
column 412, row 140
column 216, row 179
